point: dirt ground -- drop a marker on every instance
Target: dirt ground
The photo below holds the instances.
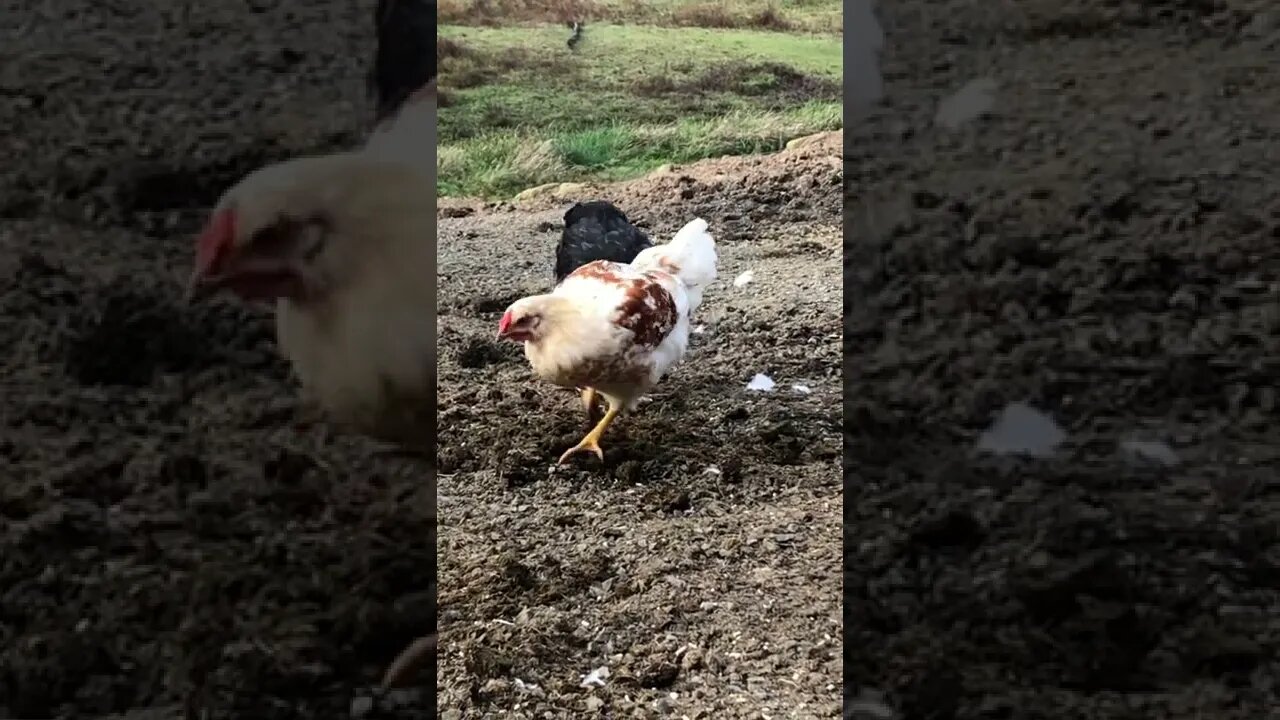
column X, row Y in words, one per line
column 1103, row 247
column 697, row 565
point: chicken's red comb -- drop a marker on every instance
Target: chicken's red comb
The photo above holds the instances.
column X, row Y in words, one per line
column 505, row 322
column 214, row 241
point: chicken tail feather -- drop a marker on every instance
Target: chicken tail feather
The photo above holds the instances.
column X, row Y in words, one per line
column 690, row 256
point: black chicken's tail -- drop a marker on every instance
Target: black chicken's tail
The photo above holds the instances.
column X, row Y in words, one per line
column 406, row 56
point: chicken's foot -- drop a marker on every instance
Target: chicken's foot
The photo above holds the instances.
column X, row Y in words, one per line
column 591, row 443
column 589, row 402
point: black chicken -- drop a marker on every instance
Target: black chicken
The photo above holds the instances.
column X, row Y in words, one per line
column 405, row 59
column 596, row 230
column 576, row 37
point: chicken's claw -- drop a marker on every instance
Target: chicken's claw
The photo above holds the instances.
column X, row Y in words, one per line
column 592, row 441
column 587, row 445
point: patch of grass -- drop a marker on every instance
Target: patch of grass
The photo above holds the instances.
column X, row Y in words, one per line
column 595, row 149
column 502, row 164
column 787, row 15
column 523, row 109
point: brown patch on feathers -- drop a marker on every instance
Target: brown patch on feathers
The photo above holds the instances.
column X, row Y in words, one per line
column 649, row 312
column 601, row 270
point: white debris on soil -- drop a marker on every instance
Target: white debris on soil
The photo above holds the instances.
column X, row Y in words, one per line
column 361, row 705
column 530, row 688
column 869, row 705
column 802, row 389
column 596, row 677
column 1148, row 451
column 711, row 470
column 968, row 103
column 1022, row 430
column 665, row 705
column 761, row 383
column 699, row 329
column 744, row 278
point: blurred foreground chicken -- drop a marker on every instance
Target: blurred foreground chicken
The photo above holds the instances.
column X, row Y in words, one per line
column 344, row 245
column 616, row 328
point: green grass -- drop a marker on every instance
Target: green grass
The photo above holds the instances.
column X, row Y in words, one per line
column 502, row 164
column 521, row 110
column 785, row 15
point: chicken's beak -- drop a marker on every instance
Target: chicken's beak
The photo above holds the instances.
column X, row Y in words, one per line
column 504, row 326
column 211, row 248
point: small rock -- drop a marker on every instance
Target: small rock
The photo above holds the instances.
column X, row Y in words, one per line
column 1022, row 430
column 814, row 139
column 567, row 190
column 968, row 103
column 1153, row 452
column 361, row 706
column 537, row 190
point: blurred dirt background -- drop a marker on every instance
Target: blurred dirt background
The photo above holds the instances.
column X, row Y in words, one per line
column 170, row 545
column 1101, row 245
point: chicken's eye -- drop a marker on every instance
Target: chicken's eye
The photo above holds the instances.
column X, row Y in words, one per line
column 289, row 236
column 311, row 237
column 271, row 237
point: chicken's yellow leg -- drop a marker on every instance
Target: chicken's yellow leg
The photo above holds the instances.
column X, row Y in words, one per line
column 589, row 402
column 592, row 441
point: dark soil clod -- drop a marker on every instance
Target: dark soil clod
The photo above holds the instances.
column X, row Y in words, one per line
column 128, row 337
column 479, row 352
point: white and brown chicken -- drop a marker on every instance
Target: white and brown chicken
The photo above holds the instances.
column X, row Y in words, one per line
column 615, row 329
